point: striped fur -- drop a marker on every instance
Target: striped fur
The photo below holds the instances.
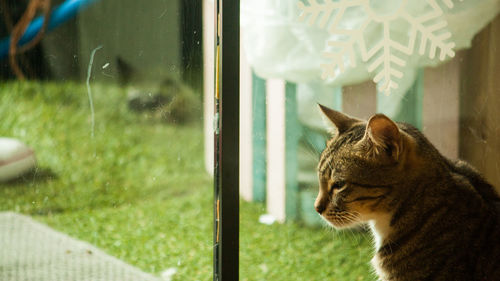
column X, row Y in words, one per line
column 432, row 218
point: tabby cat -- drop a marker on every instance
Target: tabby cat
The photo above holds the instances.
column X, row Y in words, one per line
column 432, row 218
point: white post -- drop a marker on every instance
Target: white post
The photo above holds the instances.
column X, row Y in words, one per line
column 246, row 121
column 276, row 139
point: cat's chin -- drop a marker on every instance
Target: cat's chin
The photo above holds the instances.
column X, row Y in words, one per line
column 340, row 225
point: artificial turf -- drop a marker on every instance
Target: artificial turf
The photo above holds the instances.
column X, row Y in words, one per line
column 137, row 188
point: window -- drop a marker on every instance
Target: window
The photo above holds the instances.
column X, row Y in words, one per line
column 111, row 105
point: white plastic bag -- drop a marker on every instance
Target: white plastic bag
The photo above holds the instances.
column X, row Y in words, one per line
column 278, row 45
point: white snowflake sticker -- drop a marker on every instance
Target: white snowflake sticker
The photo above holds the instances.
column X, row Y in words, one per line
column 387, row 56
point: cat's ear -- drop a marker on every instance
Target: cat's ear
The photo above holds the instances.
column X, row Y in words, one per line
column 341, row 121
column 384, row 135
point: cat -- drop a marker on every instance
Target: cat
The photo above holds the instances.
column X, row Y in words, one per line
column 431, row 218
column 167, row 99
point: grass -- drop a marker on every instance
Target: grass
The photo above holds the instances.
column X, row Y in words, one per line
column 139, row 191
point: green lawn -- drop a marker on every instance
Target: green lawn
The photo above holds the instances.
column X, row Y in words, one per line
column 139, row 191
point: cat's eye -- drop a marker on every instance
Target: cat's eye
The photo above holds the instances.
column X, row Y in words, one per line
column 337, row 185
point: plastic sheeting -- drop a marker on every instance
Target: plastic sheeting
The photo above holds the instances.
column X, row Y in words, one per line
column 278, row 45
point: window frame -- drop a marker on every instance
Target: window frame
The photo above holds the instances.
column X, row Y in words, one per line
column 226, row 140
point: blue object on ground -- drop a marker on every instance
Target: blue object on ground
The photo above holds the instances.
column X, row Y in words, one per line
column 59, row 15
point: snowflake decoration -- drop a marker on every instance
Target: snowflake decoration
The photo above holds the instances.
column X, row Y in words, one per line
column 387, row 55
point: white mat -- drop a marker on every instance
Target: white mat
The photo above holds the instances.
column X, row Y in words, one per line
column 30, row 251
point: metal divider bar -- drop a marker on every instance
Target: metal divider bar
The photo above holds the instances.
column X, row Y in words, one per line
column 226, row 139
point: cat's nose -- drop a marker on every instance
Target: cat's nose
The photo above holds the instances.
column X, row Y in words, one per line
column 319, row 208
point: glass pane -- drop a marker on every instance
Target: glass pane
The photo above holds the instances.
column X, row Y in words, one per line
column 412, row 61
column 102, row 140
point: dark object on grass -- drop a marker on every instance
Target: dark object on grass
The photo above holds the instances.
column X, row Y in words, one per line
column 168, row 99
column 146, row 102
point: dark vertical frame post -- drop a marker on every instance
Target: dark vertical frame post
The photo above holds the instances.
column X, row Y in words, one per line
column 226, row 164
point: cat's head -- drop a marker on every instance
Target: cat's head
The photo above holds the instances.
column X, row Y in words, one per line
column 361, row 167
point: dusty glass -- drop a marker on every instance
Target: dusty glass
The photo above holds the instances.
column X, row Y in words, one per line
column 102, row 140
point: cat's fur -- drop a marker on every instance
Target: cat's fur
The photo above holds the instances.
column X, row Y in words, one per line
column 432, row 219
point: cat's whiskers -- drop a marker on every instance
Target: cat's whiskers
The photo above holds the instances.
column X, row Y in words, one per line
column 351, row 218
column 312, row 145
column 311, row 152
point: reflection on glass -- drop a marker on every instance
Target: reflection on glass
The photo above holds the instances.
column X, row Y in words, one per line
column 111, row 109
